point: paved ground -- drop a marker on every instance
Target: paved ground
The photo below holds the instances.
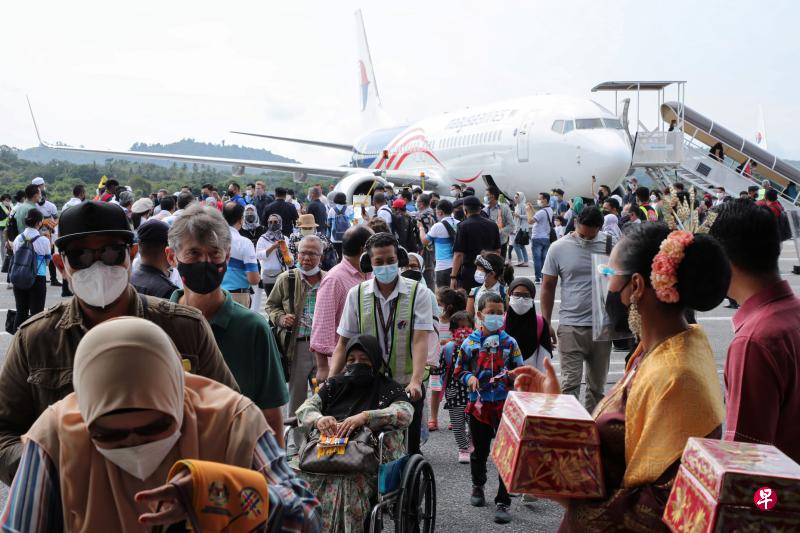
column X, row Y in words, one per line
column 453, row 480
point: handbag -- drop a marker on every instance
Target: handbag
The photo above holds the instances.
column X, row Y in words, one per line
column 11, row 317
column 328, row 455
column 552, row 235
column 6, row 264
column 523, row 238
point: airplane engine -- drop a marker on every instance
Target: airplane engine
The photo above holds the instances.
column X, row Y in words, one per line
column 359, row 183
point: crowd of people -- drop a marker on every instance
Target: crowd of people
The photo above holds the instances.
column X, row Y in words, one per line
column 193, row 327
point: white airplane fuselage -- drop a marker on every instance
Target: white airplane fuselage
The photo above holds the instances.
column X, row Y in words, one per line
column 520, row 143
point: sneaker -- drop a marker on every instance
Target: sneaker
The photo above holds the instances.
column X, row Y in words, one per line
column 537, row 281
column 477, row 499
column 501, row 514
column 449, row 427
column 55, row 283
column 463, row 457
column 433, row 425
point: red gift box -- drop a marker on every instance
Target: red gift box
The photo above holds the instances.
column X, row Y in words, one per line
column 548, row 445
column 719, row 488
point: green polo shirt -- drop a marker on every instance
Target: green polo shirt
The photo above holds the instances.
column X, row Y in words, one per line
column 248, row 346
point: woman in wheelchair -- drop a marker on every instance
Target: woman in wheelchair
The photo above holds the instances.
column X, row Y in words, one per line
column 361, row 396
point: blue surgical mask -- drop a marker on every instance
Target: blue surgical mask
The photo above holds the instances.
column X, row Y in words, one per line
column 386, row 273
column 493, row 322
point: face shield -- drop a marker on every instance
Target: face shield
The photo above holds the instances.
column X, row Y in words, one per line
column 602, row 326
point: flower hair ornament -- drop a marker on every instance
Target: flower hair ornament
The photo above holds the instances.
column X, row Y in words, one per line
column 664, row 275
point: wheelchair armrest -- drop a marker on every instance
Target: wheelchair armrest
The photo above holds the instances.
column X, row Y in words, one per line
column 291, row 422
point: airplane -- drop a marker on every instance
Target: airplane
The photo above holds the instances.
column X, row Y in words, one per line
column 531, row 144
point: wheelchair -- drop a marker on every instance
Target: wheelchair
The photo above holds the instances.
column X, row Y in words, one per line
column 406, row 488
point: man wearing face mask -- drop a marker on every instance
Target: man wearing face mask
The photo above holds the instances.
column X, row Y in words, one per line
column 50, row 213
column 151, row 275
column 95, row 252
column 292, row 310
column 570, row 259
column 242, row 271
column 200, row 246
column 307, row 225
column 283, row 209
column 234, row 193
column 401, row 321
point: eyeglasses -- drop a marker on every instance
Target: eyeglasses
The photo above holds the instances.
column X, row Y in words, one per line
column 607, row 271
column 111, row 255
column 104, row 435
column 308, row 254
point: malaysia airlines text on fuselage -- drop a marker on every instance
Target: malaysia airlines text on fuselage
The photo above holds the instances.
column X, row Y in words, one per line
column 529, row 144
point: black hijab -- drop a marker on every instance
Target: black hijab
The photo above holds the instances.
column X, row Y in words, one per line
column 342, row 398
column 524, row 327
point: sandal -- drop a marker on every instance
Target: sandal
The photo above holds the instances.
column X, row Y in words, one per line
column 433, row 425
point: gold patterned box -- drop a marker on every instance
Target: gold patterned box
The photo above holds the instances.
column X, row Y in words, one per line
column 734, row 486
column 548, row 445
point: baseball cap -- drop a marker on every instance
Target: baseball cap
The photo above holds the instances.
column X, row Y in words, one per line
column 153, row 231
column 399, row 204
column 92, row 218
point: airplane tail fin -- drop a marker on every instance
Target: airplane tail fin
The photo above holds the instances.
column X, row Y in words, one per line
column 372, row 113
column 761, row 129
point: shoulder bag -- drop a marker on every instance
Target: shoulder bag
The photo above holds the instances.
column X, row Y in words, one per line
column 356, row 455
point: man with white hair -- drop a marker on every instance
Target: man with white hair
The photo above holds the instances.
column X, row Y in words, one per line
column 290, row 306
column 200, row 247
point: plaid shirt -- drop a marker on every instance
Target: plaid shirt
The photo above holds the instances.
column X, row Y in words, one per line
column 34, row 499
column 331, row 298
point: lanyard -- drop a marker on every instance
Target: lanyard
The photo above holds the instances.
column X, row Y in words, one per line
column 388, row 325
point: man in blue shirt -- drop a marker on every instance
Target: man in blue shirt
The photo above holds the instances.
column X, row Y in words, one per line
column 442, row 235
column 242, row 272
column 234, row 192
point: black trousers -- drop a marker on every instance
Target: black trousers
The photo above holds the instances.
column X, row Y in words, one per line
column 482, row 435
column 415, row 428
column 30, row 301
column 53, row 272
column 504, row 250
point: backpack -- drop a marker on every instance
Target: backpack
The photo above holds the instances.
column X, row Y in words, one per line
column 451, row 231
column 650, row 214
column 12, row 229
column 340, row 224
column 407, row 233
column 24, row 265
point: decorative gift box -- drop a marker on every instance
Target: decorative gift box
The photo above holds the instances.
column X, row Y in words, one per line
column 734, row 486
column 548, row 445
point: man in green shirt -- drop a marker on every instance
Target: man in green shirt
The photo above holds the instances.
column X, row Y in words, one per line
column 200, row 246
column 32, row 197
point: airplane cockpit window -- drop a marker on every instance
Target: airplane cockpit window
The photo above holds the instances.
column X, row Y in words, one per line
column 558, row 126
column 588, row 123
column 613, row 123
column 568, row 126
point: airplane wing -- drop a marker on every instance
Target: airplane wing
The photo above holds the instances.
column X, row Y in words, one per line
column 337, row 146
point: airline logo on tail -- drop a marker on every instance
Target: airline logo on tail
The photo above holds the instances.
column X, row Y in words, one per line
column 364, row 85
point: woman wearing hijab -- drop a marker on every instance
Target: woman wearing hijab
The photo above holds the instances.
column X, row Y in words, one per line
column 531, row 330
column 251, row 225
column 362, row 395
column 575, row 208
column 269, row 254
column 98, row 460
column 611, row 227
column 521, row 221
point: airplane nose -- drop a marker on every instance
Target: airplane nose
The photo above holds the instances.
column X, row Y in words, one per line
column 609, row 157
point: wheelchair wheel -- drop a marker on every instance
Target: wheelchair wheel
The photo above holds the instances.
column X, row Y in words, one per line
column 416, row 506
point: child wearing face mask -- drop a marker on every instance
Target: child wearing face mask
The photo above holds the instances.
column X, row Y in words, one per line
column 493, row 274
column 448, row 302
column 461, row 326
column 485, row 359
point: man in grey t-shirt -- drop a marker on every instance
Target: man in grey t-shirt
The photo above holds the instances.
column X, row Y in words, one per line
column 570, row 259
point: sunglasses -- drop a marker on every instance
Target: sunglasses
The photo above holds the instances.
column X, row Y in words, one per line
column 607, row 271
column 104, row 435
column 111, row 255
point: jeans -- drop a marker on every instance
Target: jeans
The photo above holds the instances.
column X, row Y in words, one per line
column 30, row 301
column 522, row 253
column 577, row 348
column 482, row 435
column 539, row 248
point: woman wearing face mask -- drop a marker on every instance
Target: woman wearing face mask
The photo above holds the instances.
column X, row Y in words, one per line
column 670, row 390
column 493, row 274
column 269, row 254
column 522, row 238
column 253, row 230
column 360, row 396
column 531, row 331
column 98, row 460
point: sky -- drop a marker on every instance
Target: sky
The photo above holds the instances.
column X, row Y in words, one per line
column 106, row 75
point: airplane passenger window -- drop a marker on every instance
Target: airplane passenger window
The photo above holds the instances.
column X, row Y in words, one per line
column 558, row 126
column 588, row 123
column 568, row 126
column 612, row 123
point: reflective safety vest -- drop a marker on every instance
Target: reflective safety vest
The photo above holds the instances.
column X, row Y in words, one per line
column 7, row 211
column 402, row 328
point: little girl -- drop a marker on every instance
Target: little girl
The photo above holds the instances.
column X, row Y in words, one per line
column 450, row 301
column 455, row 392
column 493, row 274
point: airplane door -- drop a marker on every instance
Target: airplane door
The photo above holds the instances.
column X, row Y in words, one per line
column 523, row 148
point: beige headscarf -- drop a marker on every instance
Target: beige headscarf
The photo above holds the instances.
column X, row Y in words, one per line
column 131, row 363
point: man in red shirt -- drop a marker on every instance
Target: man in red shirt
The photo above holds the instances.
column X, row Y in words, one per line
column 762, row 371
column 771, row 201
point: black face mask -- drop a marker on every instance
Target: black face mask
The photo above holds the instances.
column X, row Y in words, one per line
column 616, row 310
column 250, row 219
column 416, row 275
column 202, row 277
column 360, row 374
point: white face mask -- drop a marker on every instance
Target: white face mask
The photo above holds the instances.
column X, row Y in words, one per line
column 313, row 272
column 305, row 232
column 141, row 461
column 100, row 284
column 520, row 304
column 653, row 198
column 480, row 276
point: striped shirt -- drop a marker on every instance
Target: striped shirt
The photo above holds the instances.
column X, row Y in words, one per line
column 242, row 261
column 34, row 498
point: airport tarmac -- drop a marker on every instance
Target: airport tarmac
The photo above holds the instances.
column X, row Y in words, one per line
column 453, row 479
